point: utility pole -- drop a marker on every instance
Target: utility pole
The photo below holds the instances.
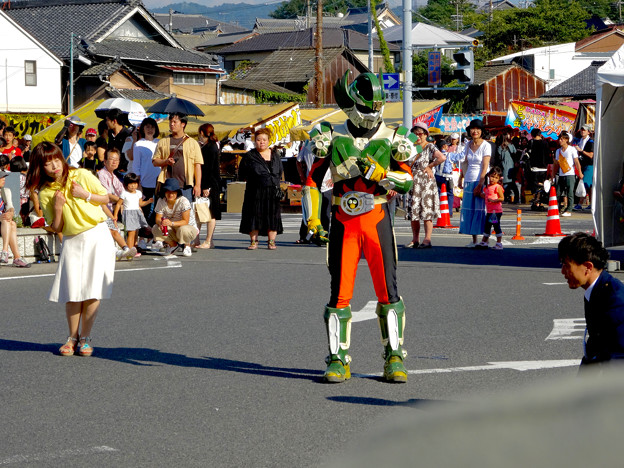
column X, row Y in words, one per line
column 318, row 66
column 71, row 73
column 407, row 63
column 370, row 36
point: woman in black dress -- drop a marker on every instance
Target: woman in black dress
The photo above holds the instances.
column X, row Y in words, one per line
column 262, row 169
column 211, row 180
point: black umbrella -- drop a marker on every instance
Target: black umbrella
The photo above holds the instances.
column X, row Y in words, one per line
column 175, row 106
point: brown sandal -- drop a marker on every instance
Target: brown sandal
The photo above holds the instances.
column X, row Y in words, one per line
column 253, row 245
column 271, row 245
column 69, row 348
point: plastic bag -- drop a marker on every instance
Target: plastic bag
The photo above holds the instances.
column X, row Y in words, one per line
column 580, row 190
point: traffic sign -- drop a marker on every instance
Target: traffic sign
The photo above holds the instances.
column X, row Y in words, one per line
column 391, row 81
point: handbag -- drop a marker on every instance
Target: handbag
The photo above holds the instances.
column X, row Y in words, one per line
column 202, row 209
column 580, row 190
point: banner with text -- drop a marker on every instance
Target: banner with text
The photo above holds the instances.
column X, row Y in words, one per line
column 452, row 123
column 551, row 121
column 430, row 118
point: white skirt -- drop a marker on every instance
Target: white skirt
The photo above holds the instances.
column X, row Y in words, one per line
column 86, row 267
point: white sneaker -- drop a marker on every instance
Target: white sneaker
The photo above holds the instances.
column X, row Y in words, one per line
column 157, row 245
column 470, row 245
column 142, row 244
column 482, row 245
column 498, row 246
column 130, row 253
column 187, row 251
column 567, row 213
column 119, row 255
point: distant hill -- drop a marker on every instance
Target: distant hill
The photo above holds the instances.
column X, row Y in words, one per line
column 243, row 14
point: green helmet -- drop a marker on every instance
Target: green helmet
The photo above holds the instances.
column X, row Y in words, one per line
column 363, row 100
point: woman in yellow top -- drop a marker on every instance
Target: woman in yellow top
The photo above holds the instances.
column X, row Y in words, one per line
column 71, row 201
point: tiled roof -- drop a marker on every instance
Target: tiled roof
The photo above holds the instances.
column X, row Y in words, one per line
column 226, row 39
column 485, row 74
column 134, row 94
column 192, row 41
column 112, row 66
column 150, row 51
column 292, row 66
column 255, row 85
column 581, row 85
column 51, row 21
column 190, row 24
column 303, row 39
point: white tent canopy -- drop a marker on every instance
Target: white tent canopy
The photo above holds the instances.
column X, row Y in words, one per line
column 609, row 150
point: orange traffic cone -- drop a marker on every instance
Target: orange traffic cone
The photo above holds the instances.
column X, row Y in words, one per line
column 553, row 226
column 518, row 235
column 444, row 221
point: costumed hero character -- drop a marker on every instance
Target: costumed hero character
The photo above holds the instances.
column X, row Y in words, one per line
column 366, row 159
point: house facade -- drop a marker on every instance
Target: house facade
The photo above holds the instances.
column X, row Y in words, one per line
column 122, row 31
column 30, row 79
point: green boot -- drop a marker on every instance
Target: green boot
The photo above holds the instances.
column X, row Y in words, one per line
column 391, row 318
column 338, row 323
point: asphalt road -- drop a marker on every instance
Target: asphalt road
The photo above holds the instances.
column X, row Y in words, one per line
column 215, row 360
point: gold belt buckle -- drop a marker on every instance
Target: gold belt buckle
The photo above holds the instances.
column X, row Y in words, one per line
column 357, row 203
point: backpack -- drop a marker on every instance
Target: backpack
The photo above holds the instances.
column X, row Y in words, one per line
column 42, row 251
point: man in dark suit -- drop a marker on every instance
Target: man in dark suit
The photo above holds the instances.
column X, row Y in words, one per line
column 583, row 262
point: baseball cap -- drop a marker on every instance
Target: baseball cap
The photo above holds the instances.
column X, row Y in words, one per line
column 586, row 127
column 455, row 136
column 27, row 137
column 91, row 131
column 3, row 174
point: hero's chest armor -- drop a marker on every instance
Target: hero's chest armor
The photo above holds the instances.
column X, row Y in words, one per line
column 347, row 152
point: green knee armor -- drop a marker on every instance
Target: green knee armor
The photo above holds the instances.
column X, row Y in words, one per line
column 391, row 318
column 338, row 323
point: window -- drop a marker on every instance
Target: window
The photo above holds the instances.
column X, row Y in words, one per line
column 552, row 74
column 188, row 78
column 30, row 72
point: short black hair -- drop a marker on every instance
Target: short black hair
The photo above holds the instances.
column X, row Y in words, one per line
column 10, row 129
column 18, row 164
column 102, row 127
column 89, row 144
column 580, row 248
column 130, row 178
column 183, row 118
column 114, row 114
column 4, row 160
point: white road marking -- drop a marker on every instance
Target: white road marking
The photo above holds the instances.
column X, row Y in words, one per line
column 170, row 264
column 367, row 312
column 45, row 457
column 521, row 366
column 553, row 284
column 567, row 329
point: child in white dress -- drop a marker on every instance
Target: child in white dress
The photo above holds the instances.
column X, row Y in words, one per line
column 132, row 215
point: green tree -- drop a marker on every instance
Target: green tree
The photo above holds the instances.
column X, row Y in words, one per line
column 549, row 22
column 420, row 70
column 383, row 45
column 441, row 13
column 293, row 8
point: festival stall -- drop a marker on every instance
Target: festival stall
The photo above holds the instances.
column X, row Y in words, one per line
column 551, row 120
column 608, row 155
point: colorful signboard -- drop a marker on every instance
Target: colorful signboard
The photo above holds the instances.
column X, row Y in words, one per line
column 430, row 118
column 452, row 123
column 551, row 121
column 434, row 70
